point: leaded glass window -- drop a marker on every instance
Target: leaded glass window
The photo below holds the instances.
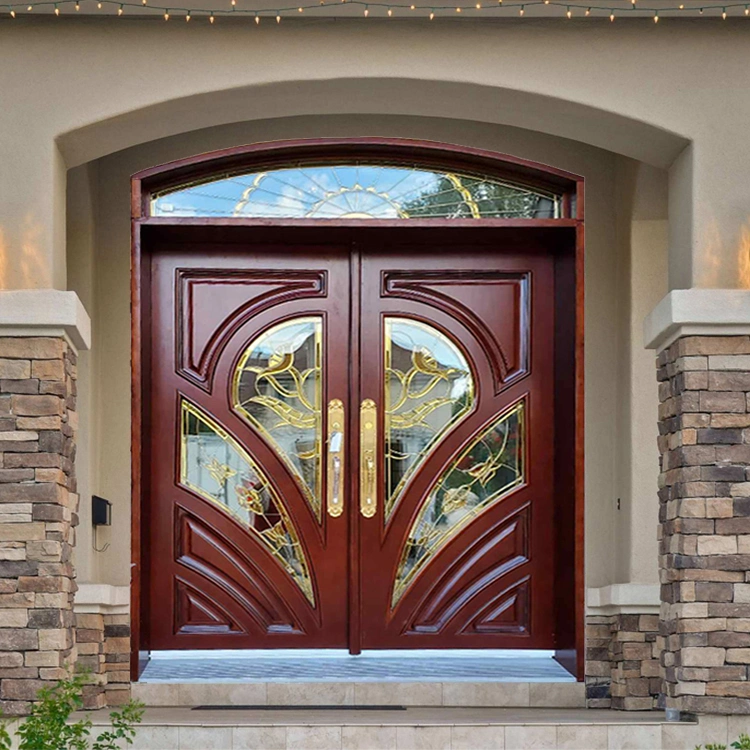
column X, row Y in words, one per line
column 277, row 388
column 490, row 468
column 216, row 467
column 428, row 389
column 357, row 190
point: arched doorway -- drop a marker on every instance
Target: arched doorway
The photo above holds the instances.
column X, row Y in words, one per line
column 358, row 400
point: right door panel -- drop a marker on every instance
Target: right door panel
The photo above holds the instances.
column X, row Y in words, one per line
column 457, row 354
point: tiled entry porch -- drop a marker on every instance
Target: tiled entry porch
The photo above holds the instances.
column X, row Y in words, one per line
column 384, row 678
column 425, row 728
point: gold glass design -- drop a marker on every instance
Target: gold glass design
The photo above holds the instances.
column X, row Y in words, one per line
column 216, row 467
column 277, row 389
column 357, row 190
column 492, row 466
column 428, row 388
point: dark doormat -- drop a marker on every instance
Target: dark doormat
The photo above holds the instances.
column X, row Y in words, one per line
column 299, row 708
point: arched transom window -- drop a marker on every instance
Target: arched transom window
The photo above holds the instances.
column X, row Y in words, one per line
column 357, row 190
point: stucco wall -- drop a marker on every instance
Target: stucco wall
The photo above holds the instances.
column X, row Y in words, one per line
column 673, row 95
column 626, row 273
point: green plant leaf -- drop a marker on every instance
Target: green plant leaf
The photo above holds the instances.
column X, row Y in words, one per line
column 48, row 727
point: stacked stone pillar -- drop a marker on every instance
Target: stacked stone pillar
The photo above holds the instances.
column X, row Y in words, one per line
column 38, row 505
column 103, row 644
column 622, row 662
column 704, row 440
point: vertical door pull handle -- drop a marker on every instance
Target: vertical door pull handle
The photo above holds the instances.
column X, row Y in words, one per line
column 335, row 457
column 368, row 466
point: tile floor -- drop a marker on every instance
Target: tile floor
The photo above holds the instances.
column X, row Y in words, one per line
column 339, row 666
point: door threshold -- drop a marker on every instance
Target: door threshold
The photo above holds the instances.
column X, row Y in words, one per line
column 338, row 666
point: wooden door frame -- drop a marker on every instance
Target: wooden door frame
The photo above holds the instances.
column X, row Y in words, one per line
column 567, row 246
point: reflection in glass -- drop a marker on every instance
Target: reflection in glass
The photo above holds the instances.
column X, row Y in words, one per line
column 216, row 467
column 484, row 473
column 277, row 388
column 428, row 388
column 357, row 191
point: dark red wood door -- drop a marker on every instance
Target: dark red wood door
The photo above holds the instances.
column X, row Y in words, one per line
column 456, row 544
column 426, row 520
column 249, row 345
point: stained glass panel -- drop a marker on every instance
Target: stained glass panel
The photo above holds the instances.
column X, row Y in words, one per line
column 484, row 473
column 216, row 467
column 357, row 191
column 277, row 388
column 428, row 388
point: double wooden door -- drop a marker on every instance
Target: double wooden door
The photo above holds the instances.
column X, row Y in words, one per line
column 350, row 446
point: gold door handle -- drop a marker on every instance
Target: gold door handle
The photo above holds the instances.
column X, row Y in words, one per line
column 368, row 467
column 335, row 457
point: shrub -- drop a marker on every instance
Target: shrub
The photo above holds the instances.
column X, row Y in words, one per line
column 48, row 727
column 743, row 743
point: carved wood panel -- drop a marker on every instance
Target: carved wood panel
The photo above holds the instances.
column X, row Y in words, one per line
column 240, row 557
column 464, row 559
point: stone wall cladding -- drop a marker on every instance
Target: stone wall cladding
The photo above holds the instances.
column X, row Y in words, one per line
column 622, row 662
column 103, row 642
column 704, row 506
column 38, row 514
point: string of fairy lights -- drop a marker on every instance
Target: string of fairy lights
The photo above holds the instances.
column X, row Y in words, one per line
column 374, row 8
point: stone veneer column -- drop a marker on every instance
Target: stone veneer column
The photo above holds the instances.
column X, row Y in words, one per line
column 704, row 493
column 622, row 662
column 103, row 644
column 38, row 505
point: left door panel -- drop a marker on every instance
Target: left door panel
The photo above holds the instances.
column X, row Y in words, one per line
column 248, row 346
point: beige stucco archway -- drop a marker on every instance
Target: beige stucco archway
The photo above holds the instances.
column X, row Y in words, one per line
column 230, row 75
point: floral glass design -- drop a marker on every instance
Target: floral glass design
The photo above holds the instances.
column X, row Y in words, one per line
column 277, row 389
column 428, row 388
column 216, row 467
column 492, row 466
column 357, row 190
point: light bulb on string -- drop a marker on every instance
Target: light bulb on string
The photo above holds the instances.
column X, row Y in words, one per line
column 479, row 6
column 569, row 13
column 120, row 10
column 412, row 7
column 302, row 10
column 77, row 6
column 390, row 12
column 723, row 14
column 432, row 15
column 588, row 12
column 57, row 10
column 211, row 18
column 656, row 16
column 12, row 12
column 747, row 11
column 29, row 8
column 522, row 11
column 166, row 14
column 257, row 18
column 458, row 9
column 278, row 18
column 367, row 11
column 99, row 5
column 187, row 16
column 611, row 16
